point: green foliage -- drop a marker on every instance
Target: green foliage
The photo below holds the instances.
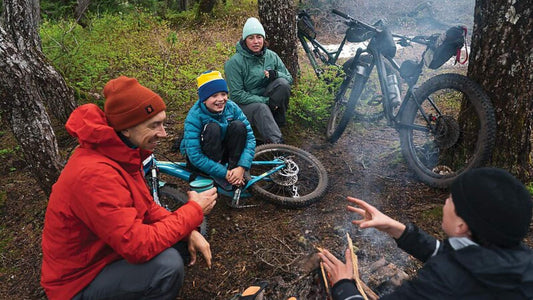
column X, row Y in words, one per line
column 136, row 45
column 167, row 60
column 5, row 151
column 529, row 187
column 312, row 99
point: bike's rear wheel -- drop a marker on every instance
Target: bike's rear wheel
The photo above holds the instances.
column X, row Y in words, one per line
column 462, row 134
column 172, row 198
column 303, row 181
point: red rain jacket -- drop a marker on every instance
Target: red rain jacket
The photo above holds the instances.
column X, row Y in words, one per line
column 100, row 210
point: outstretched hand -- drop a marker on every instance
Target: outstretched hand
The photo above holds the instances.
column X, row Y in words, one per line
column 372, row 217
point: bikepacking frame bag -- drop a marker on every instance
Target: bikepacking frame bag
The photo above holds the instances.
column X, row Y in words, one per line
column 445, row 46
column 305, row 25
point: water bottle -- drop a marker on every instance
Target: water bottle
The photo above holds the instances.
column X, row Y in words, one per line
column 394, row 91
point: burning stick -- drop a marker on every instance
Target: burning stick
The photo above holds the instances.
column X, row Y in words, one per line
column 358, row 281
column 324, row 274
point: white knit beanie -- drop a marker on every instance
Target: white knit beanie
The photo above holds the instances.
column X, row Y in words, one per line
column 252, row 26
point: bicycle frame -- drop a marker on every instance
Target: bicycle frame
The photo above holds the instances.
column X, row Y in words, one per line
column 180, row 170
column 379, row 63
column 319, row 50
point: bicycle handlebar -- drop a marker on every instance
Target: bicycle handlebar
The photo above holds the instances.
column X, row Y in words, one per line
column 404, row 40
column 355, row 21
column 340, row 13
column 419, row 39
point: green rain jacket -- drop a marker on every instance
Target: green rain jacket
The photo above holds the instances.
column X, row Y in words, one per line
column 245, row 74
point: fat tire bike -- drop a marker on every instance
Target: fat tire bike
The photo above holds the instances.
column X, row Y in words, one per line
column 446, row 125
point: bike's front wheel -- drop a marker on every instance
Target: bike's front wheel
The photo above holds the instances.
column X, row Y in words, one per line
column 302, row 181
column 343, row 108
column 172, row 198
column 447, row 127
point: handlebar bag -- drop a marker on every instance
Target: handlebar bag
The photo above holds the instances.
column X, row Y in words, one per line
column 358, row 34
column 305, row 25
column 384, row 42
column 446, row 45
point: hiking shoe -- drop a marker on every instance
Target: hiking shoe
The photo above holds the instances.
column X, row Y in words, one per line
column 223, row 183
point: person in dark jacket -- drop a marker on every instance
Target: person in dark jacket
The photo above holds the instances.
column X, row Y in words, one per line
column 259, row 82
column 104, row 237
column 218, row 140
column 486, row 217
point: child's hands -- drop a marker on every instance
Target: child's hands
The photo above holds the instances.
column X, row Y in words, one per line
column 235, row 176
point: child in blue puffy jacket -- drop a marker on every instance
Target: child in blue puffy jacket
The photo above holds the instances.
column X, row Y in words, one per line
column 218, row 139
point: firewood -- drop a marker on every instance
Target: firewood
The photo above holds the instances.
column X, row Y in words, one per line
column 325, row 278
column 358, row 282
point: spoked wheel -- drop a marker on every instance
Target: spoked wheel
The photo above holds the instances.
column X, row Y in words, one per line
column 456, row 134
column 172, row 199
column 301, row 182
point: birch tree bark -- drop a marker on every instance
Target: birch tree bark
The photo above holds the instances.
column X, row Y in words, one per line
column 28, row 83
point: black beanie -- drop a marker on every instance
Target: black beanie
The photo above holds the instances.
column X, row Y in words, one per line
column 495, row 205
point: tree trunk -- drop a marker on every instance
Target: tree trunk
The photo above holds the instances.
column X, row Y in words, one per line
column 279, row 19
column 81, row 9
column 206, row 6
column 501, row 61
column 27, row 82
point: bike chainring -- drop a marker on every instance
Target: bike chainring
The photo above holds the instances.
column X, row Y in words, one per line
column 288, row 176
column 446, row 132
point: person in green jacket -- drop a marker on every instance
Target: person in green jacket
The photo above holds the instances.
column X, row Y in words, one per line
column 259, row 82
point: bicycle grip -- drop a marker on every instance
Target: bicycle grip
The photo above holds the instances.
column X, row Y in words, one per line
column 340, row 13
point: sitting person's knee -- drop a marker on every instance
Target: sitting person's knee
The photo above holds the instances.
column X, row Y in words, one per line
column 237, row 127
column 170, row 261
column 283, row 84
column 212, row 130
column 263, row 108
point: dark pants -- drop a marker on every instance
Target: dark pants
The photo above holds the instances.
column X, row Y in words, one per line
column 279, row 92
column 266, row 119
column 159, row 278
column 227, row 149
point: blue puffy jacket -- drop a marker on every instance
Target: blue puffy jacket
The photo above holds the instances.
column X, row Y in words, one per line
column 197, row 118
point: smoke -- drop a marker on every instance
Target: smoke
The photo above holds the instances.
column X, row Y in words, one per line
column 413, row 16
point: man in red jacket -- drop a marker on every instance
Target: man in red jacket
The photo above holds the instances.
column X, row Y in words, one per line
column 104, row 237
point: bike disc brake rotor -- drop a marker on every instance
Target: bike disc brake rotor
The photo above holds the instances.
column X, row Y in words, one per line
column 446, row 132
column 287, row 176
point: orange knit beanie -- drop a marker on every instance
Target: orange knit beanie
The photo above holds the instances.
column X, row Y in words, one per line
column 128, row 103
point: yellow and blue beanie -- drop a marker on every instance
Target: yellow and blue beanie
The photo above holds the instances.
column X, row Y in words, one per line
column 252, row 26
column 209, row 83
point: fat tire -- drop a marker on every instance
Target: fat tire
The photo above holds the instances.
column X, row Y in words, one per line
column 172, row 198
column 316, row 194
column 333, row 133
column 485, row 138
